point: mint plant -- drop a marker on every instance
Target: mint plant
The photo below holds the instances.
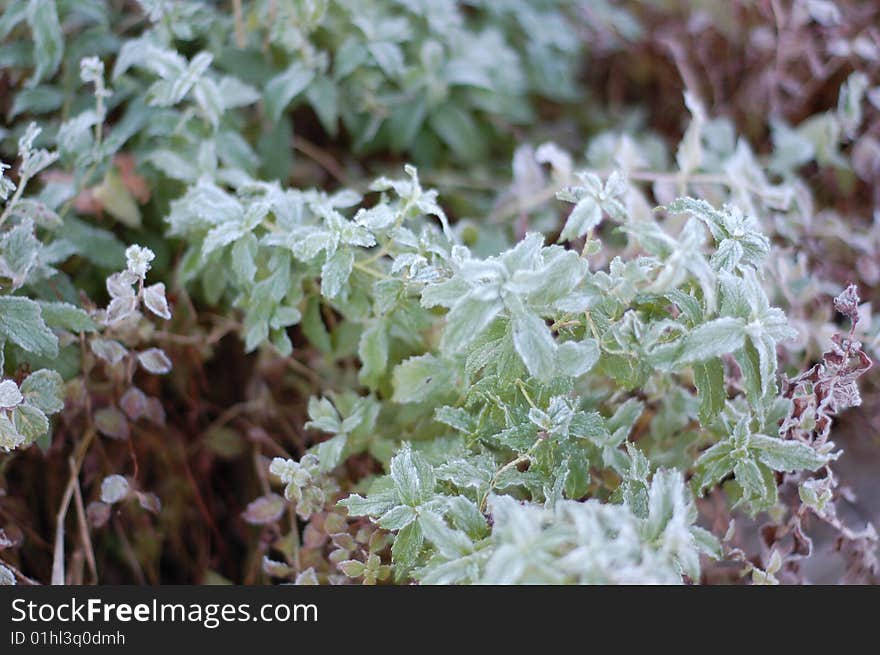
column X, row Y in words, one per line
column 317, row 278
column 536, row 377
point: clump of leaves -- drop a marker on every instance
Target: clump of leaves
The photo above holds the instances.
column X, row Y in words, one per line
column 453, row 392
column 537, row 377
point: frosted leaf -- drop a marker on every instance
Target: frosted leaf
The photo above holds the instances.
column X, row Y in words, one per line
column 10, row 395
column 264, row 509
column 120, row 309
column 847, row 303
column 155, row 361
column 134, row 403
column 112, row 423
column 113, row 489
column 307, row 577
column 7, row 577
column 119, row 285
column 154, row 299
column 10, row 438
column 109, row 350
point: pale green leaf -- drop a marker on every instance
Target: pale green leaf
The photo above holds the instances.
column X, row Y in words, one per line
column 419, row 378
column 373, row 353
column 22, row 323
column 66, row 316
column 42, row 16
column 335, row 272
column 535, row 345
column 709, row 379
column 44, row 389
column 786, row 455
column 713, row 339
column 284, row 87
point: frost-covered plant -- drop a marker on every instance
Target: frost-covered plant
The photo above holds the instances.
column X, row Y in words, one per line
column 542, row 380
column 488, row 388
column 35, row 326
column 49, row 330
column 433, row 78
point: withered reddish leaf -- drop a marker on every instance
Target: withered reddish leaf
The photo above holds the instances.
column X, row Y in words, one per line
column 98, row 513
column 264, row 509
column 112, row 423
column 149, row 501
column 134, row 403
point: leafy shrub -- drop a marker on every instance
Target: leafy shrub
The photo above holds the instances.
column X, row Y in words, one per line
column 541, row 379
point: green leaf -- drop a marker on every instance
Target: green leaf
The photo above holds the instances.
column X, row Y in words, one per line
column 585, row 216
column 323, row 95
column 535, row 345
column 323, row 416
column 667, row 498
column 313, row 326
column 574, row 358
column 388, row 56
column 450, row 543
column 419, row 378
column 13, row 14
column 42, row 16
column 689, row 305
column 30, row 422
column 22, row 323
column 44, row 389
column 589, row 425
column 244, row 254
column 19, row 251
column 335, row 272
column 748, row 475
column 330, row 452
column 373, row 353
column 718, row 337
column 9, row 436
column 413, row 477
column 707, row 542
column 458, row 130
column 67, row 317
column 405, row 122
column 749, row 363
column 786, row 455
column 713, row 465
column 709, row 379
column 283, row 88
column 95, row 244
column 10, row 394
column 375, row 504
column 468, row 318
column 455, row 417
column 397, row 518
column 36, row 100
column 406, row 548
column 467, row 517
